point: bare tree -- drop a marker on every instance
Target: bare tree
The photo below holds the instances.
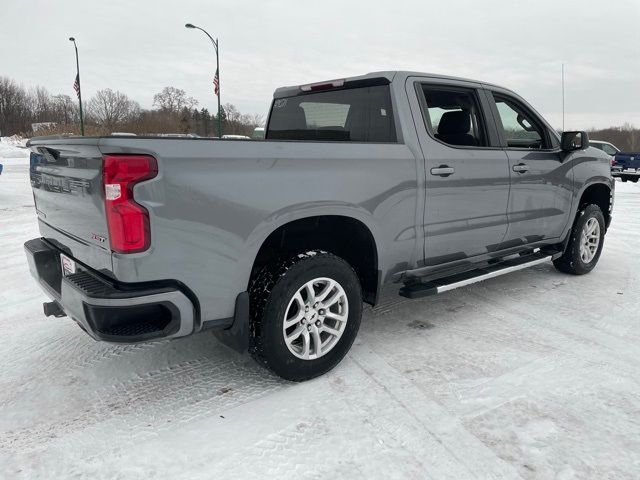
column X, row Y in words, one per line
column 626, row 138
column 15, row 114
column 42, row 105
column 110, row 109
column 255, row 120
column 236, row 123
column 65, row 109
column 173, row 100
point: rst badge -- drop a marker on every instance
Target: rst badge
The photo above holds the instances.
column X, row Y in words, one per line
column 98, row 238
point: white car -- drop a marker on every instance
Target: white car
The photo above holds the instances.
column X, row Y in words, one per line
column 611, row 150
column 606, row 147
column 236, row 137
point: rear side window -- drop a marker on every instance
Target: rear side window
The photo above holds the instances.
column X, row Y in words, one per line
column 453, row 116
column 348, row 115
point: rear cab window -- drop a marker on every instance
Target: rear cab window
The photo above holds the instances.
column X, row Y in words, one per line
column 358, row 114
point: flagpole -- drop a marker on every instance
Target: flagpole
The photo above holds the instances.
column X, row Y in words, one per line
column 79, row 89
column 218, row 72
column 215, row 46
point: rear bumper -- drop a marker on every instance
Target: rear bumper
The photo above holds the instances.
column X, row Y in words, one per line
column 625, row 173
column 122, row 313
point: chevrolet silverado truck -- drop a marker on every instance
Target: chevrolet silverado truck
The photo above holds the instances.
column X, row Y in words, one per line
column 429, row 182
column 625, row 165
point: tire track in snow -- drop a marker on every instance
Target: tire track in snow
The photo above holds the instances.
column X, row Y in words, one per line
column 423, row 442
column 447, row 431
column 142, row 406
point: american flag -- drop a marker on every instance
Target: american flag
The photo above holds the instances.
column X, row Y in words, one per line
column 216, row 83
column 76, row 85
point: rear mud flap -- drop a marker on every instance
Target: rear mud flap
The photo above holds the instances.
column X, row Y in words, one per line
column 237, row 335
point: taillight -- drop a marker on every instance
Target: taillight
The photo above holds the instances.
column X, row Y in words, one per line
column 128, row 222
column 613, row 161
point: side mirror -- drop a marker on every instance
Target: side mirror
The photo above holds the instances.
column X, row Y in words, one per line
column 574, row 141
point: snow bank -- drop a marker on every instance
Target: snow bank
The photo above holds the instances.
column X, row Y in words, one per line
column 14, row 141
column 13, row 147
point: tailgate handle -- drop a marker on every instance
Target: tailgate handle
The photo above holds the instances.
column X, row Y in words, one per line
column 443, row 171
column 521, row 168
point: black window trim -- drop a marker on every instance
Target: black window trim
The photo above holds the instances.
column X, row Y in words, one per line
column 487, row 132
column 493, row 96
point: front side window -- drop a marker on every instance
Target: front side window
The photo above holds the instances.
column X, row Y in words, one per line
column 453, row 116
column 362, row 114
column 608, row 149
column 521, row 130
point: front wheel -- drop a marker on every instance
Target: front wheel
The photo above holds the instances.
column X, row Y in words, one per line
column 305, row 313
column 585, row 243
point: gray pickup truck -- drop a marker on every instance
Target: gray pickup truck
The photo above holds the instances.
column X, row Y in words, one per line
column 426, row 181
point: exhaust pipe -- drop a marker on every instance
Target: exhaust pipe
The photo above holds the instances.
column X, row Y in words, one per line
column 53, row 309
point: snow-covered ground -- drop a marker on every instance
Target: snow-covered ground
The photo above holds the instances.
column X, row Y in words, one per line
column 12, row 150
column 531, row 375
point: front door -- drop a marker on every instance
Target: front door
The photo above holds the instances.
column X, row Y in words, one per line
column 541, row 184
column 467, row 180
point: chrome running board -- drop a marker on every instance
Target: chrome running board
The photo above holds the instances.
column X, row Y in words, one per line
column 417, row 290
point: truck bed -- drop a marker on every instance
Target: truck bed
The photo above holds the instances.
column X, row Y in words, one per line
column 213, row 202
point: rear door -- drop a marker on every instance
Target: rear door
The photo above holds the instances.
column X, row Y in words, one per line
column 541, row 184
column 467, row 179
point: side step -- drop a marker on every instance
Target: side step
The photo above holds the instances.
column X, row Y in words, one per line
column 417, row 290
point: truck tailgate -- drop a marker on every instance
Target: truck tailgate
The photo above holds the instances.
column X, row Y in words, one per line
column 67, row 187
column 628, row 160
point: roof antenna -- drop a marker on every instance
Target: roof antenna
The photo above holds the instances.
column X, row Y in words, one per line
column 563, row 97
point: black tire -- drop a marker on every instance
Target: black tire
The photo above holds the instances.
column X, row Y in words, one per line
column 623, row 179
column 270, row 292
column 571, row 261
column 634, row 180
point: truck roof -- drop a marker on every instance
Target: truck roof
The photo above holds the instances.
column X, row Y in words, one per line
column 390, row 75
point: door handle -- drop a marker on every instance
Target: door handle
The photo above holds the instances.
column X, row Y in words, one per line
column 521, row 168
column 443, row 170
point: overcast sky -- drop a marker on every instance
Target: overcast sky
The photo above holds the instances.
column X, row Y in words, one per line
column 140, row 46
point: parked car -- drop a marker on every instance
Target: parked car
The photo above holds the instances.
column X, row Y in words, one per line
column 606, row 147
column 426, row 181
column 236, row 137
column 624, row 165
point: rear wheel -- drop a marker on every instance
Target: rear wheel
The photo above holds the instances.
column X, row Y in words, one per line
column 305, row 313
column 586, row 242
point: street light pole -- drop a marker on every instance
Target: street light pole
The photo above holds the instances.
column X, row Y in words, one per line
column 79, row 90
column 215, row 46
